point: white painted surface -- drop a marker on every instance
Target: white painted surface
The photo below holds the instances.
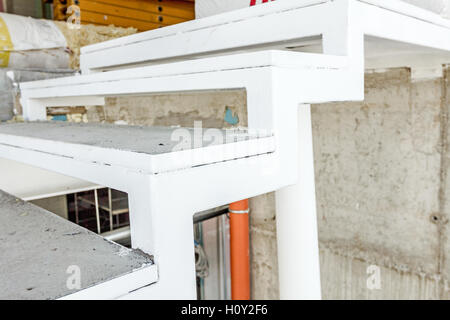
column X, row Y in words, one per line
column 298, row 245
column 273, row 94
column 206, row 8
column 118, row 287
column 441, row 7
column 272, row 99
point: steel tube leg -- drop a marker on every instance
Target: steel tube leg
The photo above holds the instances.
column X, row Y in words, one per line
column 297, row 238
column 163, row 227
column 97, row 212
column 33, row 110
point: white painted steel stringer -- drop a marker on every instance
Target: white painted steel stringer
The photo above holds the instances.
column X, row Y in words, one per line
column 286, row 55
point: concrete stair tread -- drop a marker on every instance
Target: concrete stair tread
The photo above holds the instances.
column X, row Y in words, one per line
column 38, row 248
column 235, row 61
column 148, row 149
column 304, row 18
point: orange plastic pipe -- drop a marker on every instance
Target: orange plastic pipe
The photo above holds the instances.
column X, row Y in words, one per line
column 239, row 247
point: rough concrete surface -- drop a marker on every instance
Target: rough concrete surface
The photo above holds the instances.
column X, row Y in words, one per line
column 377, row 168
column 381, row 184
column 174, row 110
column 263, row 251
column 442, row 223
column 37, row 248
column 378, row 176
column 345, row 277
column 137, row 139
column 210, row 7
column 212, row 109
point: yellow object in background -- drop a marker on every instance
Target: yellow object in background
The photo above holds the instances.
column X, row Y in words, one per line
column 6, row 45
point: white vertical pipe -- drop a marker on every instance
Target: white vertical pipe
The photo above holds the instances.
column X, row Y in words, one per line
column 97, row 212
column 298, row 248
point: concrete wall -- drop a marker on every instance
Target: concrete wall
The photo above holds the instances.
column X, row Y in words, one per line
column 381, row 189
column 382, row 184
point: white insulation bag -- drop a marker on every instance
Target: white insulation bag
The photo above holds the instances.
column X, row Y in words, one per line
column 31, row 43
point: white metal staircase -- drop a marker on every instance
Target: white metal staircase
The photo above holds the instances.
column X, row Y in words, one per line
column 264, row 50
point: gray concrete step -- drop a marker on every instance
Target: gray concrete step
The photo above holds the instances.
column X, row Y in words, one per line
column 41, row 254
column 147, row 149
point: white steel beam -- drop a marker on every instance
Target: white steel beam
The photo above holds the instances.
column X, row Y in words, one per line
column 276, row 82
column 297, row 235
column 292, row 25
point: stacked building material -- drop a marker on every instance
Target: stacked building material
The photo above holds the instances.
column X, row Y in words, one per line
column 31, row 43
column 34, row 49
column 141, row 14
